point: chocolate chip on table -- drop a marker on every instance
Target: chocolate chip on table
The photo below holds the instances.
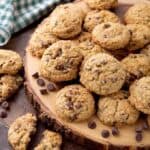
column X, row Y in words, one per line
column 40, row 82
column 92, row 124
column 43, row 91
column 139, row 129
column 5, row 105
column 115, row 131
column 145, row 125
column 51, row 87
column 3, row 113
column 105, row 133
column 35, row 75
column 138, row 137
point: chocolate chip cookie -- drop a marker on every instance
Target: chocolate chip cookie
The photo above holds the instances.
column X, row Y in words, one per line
column 115, row 109
column 41, row 39
column 50, row 141
column 140, row 94
column 136, row 66
column 9, row 85
column 102, row 4
column 102, row 74
column 138, row 14
column 66, row 21
column 74, row 103
column 146, row 50
column 10, row 62
column 140, row 36
column 94, row 18
column 111, row 36
column 60, row 62
column 20, row 131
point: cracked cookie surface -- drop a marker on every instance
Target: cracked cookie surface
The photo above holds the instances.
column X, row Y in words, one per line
column 50, row 141
column 115, row 109
column 10, row 62
column 60, row 62
column 111, row 36
column 140, row 94
column 102, row 74
column 20, row 131
column 74, row 103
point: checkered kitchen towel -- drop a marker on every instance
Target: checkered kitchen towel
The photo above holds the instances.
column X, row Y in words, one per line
column 17, row 14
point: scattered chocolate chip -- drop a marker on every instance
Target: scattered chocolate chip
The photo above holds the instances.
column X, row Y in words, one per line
column 92, row 124
column 3, row 113
column 115, row 131
column 106, row 26
column 35, row 75
column 145, row 125
column 51, row 87
column 139, row 129
column 40, row 82
column 5, row 105
column 43, row 91
column 105, row 133
column 138, row 137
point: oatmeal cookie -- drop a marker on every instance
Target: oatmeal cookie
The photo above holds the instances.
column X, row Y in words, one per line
column 136, row 66
column 146, row 50
column 66, row 21
column 140, row 36
column 50, row 141
column 9, row 85
column 115, row 109
column 10, row 62
column 74, row 103
column 20, row 131
column 102, row 4
column 102, row 74
column 111, row 36
column 140, row 94
column 60, row 62
column 94, row 18
column 138, row 14
column 41, row 39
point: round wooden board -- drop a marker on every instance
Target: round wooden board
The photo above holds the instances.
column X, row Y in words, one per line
column 79, row 132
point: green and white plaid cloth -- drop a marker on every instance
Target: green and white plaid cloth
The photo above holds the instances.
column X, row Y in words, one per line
column 17, row 14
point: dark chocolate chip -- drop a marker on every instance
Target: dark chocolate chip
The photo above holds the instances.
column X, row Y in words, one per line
column 5, row 105
column 92, row 124
column 40, row 82
column 105, row 133
column 138, row 137
column 70, row 105
column 3, row 113
column 145, row 125
column 115, row 131
column 106, row 26
column 51, row 87
column 43, row 91
column 139, row 129
column 35, row 75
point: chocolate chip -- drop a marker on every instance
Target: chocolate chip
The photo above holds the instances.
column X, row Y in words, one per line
column 138, row 137
column 145, row 125
column 106, row 26
column 40, row 82
column 69, row 105
column 35, row 75
column 60, row 67
column 115, row 131
column 51, row 87
column 5, row 105
column 105, row 133
column 139, row 129
column 3, row 113
column 92, row 124
column 43, row 91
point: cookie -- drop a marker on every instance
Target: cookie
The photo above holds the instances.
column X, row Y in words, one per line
column 102, row 4
column 111, row 36
column 10, row 62
column 94, row 18
column 138, row 14
column 9, row 85
column 115, row 109
column 50, row 141
column 146, row 50
column 74, row 103
column 140, row 36
column 60, row 62
column 41, row 39
column 140, row 94
column 102, row 74
column 20, row 131
column 66, row 21
column 136, row 66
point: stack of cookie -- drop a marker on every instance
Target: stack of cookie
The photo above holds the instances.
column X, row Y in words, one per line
column 81, row 41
